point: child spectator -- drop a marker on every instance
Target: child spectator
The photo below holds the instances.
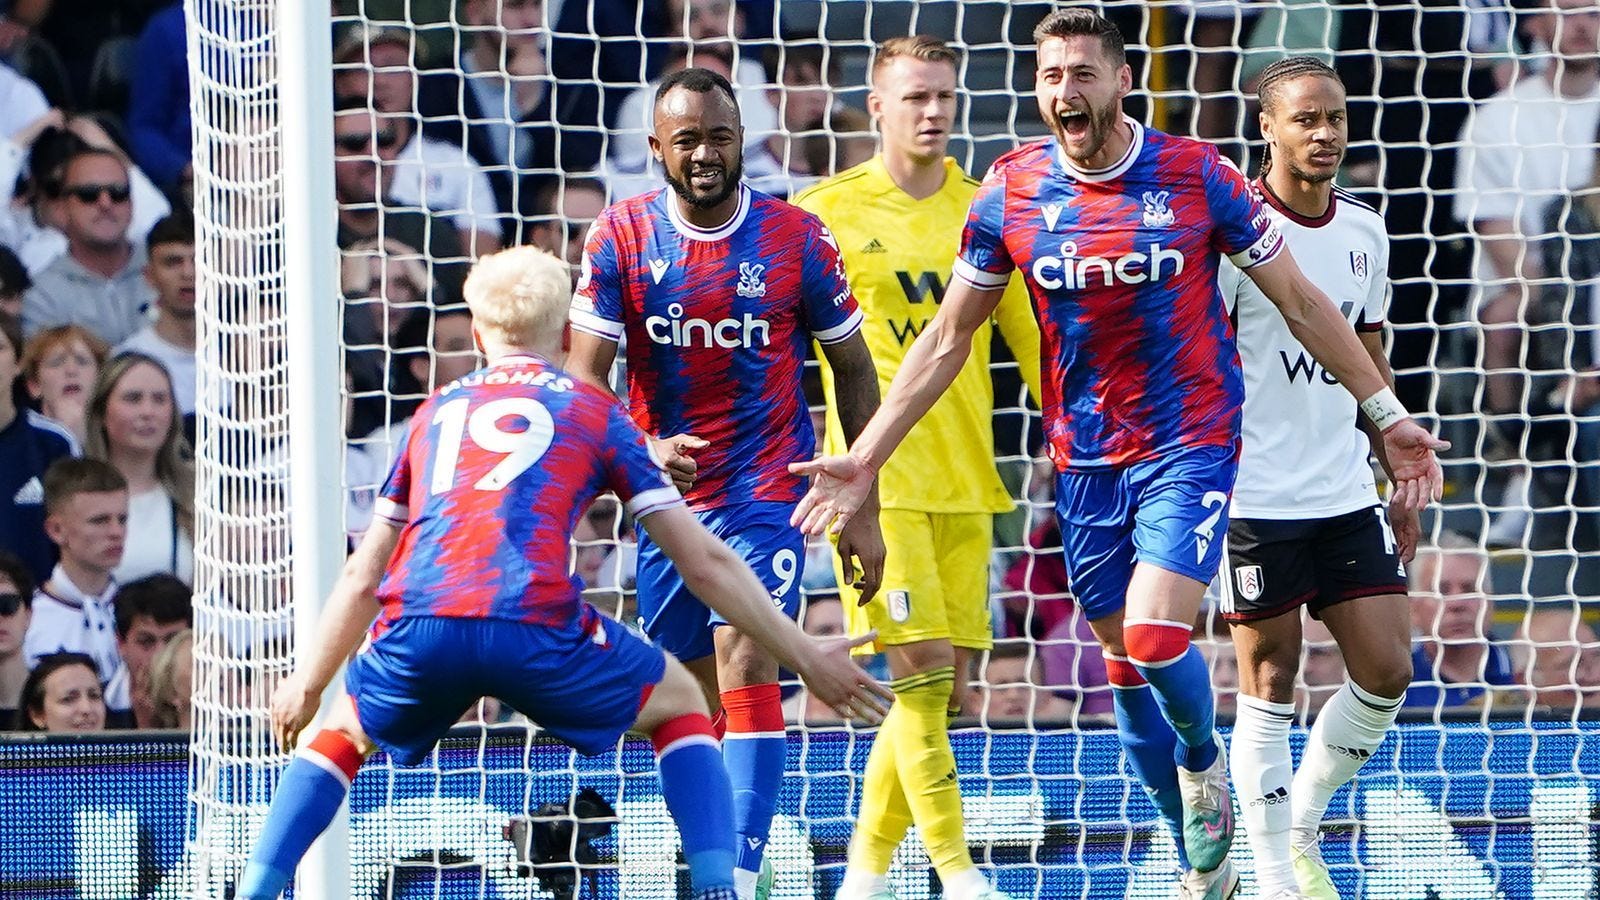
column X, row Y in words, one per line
column 29, row 443
column 59, row 365
column 86, row 515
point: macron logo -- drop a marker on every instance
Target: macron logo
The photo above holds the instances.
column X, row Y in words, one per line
column 1052, row 214
column 658, row 268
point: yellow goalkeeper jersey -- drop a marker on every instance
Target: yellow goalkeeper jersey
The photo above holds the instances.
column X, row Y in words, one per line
column 898, row 253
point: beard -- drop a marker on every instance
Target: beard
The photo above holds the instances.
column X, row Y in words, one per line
column 730, row 183
column 1101, row 123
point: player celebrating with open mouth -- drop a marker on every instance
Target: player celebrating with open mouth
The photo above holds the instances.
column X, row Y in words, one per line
column 1119, row 230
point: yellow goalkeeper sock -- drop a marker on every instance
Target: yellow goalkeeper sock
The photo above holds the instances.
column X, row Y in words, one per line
column 884, row 817
column 927, row 766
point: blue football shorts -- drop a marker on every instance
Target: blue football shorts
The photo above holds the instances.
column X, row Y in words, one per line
column 1170, row 512
column 583, row 683
column 761, row 534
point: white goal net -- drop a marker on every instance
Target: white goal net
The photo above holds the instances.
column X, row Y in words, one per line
column 461, row 125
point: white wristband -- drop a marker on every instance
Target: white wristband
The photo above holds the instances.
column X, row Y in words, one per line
column 1384, row 409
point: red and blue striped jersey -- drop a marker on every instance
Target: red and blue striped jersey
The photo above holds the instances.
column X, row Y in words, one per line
column 1138, row 349
column 495, row 470
column 716, row 325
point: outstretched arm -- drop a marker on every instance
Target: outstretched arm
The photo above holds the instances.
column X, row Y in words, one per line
column 841, row 484
column 1317, row 325
column 724, row 582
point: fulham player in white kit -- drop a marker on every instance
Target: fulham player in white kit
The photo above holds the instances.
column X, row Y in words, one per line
column 1307, row 528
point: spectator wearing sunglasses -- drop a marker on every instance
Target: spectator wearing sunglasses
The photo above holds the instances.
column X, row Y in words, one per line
column 374, row 67
column 99, row 282
column 361, row 141
column 16, row 610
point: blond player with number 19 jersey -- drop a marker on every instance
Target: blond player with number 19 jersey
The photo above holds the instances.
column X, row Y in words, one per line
column 898, row 220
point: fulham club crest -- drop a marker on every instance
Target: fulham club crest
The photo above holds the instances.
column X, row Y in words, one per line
column 1248, row 580
column 899, row 605
column 1358, row 264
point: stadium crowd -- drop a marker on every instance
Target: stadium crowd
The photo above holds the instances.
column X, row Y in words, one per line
column 519, row 120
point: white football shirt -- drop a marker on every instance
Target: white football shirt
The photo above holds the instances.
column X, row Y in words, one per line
column 1303, row 456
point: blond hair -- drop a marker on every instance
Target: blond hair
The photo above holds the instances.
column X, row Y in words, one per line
column 520, row 296
column 161, row 679
column 925, row 47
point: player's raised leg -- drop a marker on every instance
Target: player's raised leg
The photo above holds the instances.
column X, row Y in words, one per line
column 309, row 794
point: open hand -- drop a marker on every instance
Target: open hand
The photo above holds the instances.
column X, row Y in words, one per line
column 839, row 485
column 674, row 453
column 1418, row 480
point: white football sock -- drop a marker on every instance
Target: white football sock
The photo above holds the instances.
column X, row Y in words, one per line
column 965, row 885
column 1262, row 770
column 1347, row 730
column 744, row 883
column 859, row 882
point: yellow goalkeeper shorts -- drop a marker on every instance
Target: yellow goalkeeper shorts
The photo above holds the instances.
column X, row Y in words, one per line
column 935, row 581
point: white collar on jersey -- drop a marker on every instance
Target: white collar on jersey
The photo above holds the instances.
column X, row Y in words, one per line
column 1116, row 169
column 695, row 233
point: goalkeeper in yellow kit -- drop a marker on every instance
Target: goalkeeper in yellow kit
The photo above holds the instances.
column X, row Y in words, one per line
column 898, row 219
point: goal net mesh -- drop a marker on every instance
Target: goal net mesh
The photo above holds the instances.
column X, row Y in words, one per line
column 462, row 126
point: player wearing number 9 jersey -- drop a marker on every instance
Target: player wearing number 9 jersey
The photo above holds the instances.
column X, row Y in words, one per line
column 718, row 291
column 475, row 599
